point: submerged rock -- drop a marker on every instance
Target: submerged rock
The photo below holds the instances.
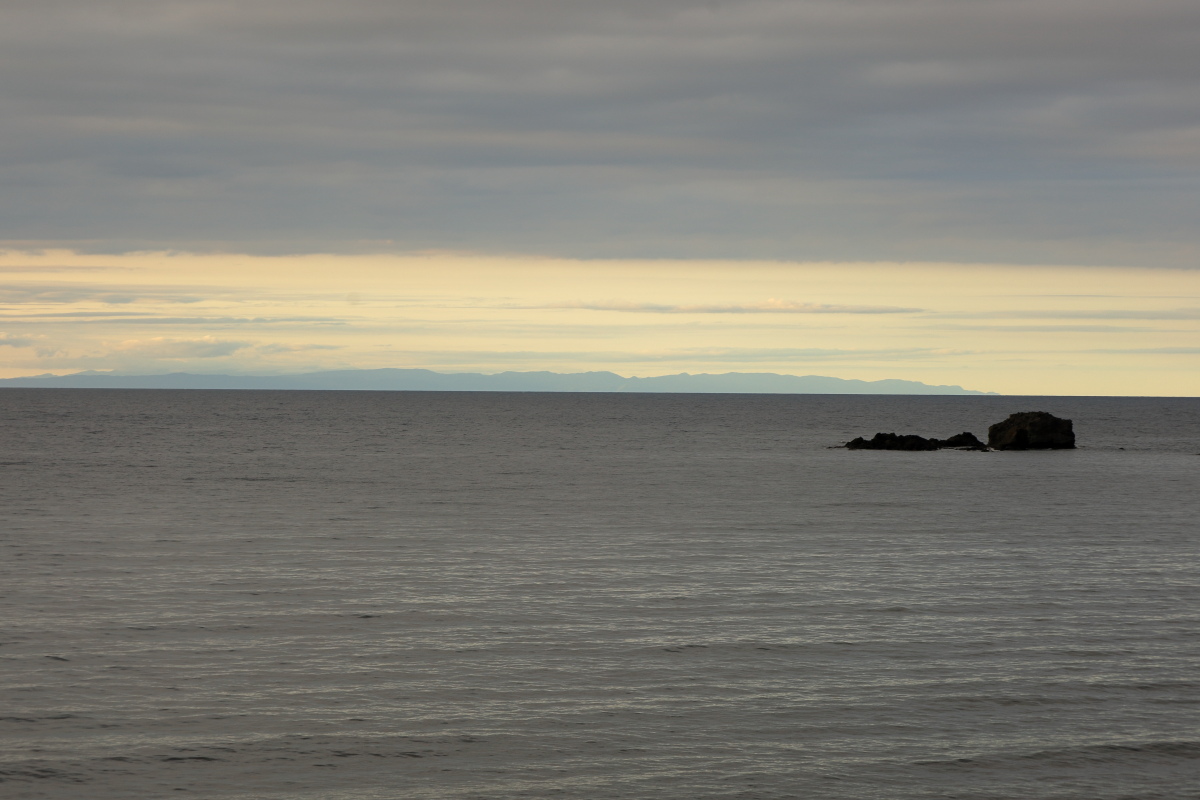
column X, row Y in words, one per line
column 1032, row 430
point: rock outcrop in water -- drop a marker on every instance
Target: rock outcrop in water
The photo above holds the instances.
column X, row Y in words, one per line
column 1032, row 430
column 1027, row 430
column 963, row 441
column 892, row 441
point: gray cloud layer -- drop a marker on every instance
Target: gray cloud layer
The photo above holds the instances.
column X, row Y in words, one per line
column 1022, row 130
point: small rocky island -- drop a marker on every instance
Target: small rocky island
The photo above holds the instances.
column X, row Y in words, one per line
column 1027, row 430
column 1032, row 430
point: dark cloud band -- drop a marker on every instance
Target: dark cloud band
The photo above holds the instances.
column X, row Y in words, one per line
column 960, row 130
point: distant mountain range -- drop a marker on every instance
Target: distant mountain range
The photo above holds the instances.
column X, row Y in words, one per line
column 429, row 381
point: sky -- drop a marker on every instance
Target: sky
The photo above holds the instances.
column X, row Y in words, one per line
column 1000, row 194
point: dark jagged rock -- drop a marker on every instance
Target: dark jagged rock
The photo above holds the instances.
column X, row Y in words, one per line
column 1032, row 430
column 962, row 441
column 890, row 441
column 1027, row 430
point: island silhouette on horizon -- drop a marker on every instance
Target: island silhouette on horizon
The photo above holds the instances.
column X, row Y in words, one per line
column 540, row 381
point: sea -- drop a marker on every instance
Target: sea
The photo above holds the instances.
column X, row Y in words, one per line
column 492, row 596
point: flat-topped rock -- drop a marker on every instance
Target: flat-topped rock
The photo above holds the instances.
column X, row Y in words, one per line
column 1032, row 430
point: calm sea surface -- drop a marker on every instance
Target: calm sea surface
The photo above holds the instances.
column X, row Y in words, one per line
column 429, row 596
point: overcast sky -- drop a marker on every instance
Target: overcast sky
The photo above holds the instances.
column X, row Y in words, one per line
column 1031, row 131
column 1001, row 194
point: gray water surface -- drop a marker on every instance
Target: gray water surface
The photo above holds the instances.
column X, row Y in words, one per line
column 451, row 596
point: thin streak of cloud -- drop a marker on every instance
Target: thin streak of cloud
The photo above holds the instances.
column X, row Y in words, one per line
column 39, row 269
column 1116, row 313
column 77, row 314
column 20, row 294
column 83, row 318
column 1111, row 296
column 162, row 347
column 718, row 355
column 273, row 349
column 778, row 353
column 771, row 306
column 1163, row 351
column 1054, row 328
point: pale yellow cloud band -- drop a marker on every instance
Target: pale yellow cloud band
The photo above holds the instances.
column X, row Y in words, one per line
column 1012, row 329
